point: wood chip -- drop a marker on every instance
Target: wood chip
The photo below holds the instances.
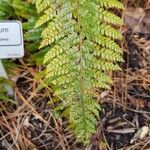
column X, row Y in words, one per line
column 140, row 134
column 122, row 131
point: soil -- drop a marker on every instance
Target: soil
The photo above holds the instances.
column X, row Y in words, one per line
column 33, row 125
column 124, row 110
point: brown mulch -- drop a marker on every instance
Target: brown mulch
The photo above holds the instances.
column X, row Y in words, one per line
column 32, row 124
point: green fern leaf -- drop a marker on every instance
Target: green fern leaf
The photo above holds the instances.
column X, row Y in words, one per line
column 82, row 50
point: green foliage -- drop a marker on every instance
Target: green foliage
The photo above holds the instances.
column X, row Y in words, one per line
column 82, row 37
column 4, row 83
column 16, row 9
column 26, row 13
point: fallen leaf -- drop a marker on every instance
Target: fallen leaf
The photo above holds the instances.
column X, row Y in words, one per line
column 132, row 16
column 140, row 134
column 137, row 19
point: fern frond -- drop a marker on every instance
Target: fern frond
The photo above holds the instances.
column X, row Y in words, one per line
column 110, row 4
column 82, row 50
column 109, row 17
column 6, row 9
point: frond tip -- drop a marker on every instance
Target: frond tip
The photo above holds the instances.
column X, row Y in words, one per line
column 82, row 37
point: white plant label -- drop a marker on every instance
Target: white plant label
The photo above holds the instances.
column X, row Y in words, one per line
column 11, row 39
